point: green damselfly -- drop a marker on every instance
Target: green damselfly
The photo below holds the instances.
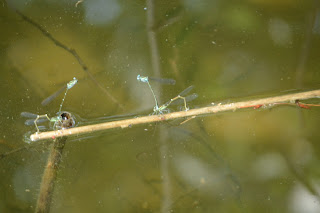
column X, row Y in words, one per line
column 180, row 97
column 57, row 119
column 163, row 108
column 145, row 79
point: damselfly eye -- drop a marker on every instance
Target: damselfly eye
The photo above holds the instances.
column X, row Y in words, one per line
column 66, row 121
column 65, row 115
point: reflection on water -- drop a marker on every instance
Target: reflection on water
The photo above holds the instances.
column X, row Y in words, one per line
column 249, row 160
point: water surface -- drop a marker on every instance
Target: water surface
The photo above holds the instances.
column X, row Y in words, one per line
column 249, row 160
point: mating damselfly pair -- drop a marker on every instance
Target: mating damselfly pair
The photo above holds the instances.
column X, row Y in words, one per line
column 181, row 96
column 65, row 120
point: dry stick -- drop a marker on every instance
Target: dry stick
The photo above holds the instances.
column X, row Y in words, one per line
column 157, row 118
column 49, row 175
column 72, row 52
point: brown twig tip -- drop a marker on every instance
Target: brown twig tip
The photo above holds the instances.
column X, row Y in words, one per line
column 181, row 114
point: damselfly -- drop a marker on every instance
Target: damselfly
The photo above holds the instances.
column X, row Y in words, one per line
column 175, row 100
column 57, row 119
column 146, row 79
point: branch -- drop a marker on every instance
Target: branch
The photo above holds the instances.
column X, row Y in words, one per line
column 50, row 175
column 181, row 114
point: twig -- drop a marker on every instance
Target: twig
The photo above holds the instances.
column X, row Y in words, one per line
column 152, row 39
column 49, row 175
column 78, row 2
column 72, row 52
column 161, row 26
column 3, row 155
column 155, row 60
column 157, row 118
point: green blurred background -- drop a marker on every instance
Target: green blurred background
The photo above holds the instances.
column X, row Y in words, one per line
column 263, row 160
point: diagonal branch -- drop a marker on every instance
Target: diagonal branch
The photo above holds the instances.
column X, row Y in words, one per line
column 181, row 114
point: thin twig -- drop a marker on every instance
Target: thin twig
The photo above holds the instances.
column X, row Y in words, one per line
column 158, row 118
column 172, row 20
column 3, row 155
column 155, row 60
column 152, row 39
column 49, row 175
column 72, row 52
